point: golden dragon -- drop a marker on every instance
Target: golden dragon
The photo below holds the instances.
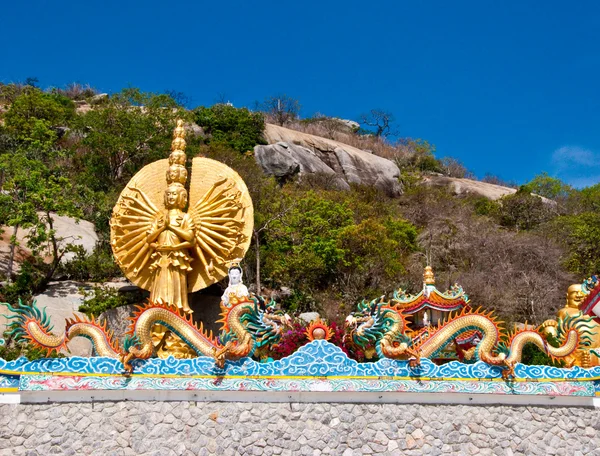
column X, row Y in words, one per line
column 382, row 326
column 246, row 326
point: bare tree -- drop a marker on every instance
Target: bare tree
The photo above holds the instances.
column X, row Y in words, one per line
column 382, row 121
column 281, row 109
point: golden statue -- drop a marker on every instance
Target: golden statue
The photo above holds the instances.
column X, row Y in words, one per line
column 584, row 357
column 170, row 252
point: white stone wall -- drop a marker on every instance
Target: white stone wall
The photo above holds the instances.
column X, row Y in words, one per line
column 203, row 428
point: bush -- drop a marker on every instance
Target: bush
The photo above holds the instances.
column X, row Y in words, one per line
column 103, row 298
column 581, row 234
column 239, row 129
column 34, row 115
column 97, row 267
column 522, row 210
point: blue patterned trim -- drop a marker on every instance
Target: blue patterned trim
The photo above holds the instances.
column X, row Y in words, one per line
column 316, row 359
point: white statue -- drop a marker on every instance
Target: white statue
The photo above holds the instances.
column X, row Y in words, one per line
column 425, row 319
column 236, row 288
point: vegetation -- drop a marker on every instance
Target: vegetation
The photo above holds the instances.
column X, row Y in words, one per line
column 102, row 298
column 238, row 129
column 313, row 247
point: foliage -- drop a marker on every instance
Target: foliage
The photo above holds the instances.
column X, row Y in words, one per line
column 236, row 128
column 103, row 298
column 295, row 338
column 454, row 168
column 522, row 210
column 532, row 355
column 420, row 156
column 487, row 207
column 291, row 341
column 29, row 280
column 549, row 187
column 33, row 116
column 347, row 243
column 95, row 267
column 31, row 193
column 131, row 129
column 581, row 233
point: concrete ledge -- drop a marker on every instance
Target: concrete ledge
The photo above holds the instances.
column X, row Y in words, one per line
column 31, row 397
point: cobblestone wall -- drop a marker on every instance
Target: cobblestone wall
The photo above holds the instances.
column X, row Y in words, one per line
column 190, row 428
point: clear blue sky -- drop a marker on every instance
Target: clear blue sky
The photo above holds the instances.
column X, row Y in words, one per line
column 510, row 88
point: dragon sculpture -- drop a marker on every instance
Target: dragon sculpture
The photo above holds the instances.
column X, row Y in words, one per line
column 247, row 326
column 381, row 325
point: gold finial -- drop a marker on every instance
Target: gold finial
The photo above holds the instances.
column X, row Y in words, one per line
column 177, row 174
column 428, row 277
column 178, row 142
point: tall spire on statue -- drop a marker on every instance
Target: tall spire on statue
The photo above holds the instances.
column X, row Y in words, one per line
column 177, row 173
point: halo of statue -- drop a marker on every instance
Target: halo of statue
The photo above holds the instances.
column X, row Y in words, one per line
column 167, row 250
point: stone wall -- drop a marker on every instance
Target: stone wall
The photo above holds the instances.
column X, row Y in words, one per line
column 192, row 428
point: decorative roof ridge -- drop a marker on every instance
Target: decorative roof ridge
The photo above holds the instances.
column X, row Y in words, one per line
column 455, row 293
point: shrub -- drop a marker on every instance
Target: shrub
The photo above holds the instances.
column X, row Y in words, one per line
column 239, row 129
column 96, row 267
column 103, row 298
column 522, row 210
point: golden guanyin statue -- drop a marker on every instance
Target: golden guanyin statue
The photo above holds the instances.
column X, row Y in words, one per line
column 170, row 252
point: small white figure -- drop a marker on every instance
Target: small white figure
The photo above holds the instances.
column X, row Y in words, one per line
column 236, row 288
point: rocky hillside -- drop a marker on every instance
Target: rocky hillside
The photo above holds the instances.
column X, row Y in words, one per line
column 292, row 153
column 348, row 216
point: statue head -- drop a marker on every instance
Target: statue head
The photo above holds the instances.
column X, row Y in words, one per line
column 175, row 197
column 177, row 174
column 235, row 275
column 575, row 296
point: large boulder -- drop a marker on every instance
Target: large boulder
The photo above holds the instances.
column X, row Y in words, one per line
column 284, row 160
column 460, row 186
column 292, row 152
column 68, row 231
column 61, row 300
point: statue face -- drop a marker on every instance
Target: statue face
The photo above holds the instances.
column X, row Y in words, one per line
column 175, row 197
column 575, row 296
column 235, row 276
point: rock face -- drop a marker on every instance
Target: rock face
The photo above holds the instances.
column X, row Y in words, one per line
column 291, row 152
column 468, row 186
column 232, row 428
column 68, row 229
column 61, row 301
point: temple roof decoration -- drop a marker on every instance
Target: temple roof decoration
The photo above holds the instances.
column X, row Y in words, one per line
column 430, row 297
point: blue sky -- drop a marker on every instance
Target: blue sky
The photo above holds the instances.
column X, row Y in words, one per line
column 509, row 88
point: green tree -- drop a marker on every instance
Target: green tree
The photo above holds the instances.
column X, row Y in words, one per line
column 130, row 130
column 581, row 234
column 34, row 117
column 236, row 128
column 549, row 187
column 522, row 210
column 31, row 194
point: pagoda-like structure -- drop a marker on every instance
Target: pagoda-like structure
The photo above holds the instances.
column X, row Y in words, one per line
column 431, row 307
